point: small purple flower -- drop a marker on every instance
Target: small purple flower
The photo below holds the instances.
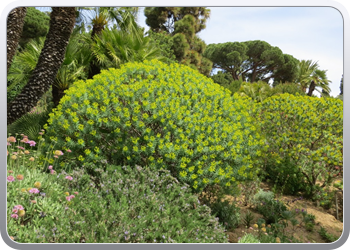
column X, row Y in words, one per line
column 126, row 232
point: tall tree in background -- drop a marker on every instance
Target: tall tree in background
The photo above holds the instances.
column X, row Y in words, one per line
column 36, row 25
column 15, row 22
column 62, row 20
column 182, row 24
column 252, row 60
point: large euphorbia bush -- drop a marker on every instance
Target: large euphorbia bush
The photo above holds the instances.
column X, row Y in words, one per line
column 305, row 139
column 168, row 116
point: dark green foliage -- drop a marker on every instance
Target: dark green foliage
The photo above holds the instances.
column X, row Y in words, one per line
column 222, row 78
column 182, row 24
column 284, row 174
column 31, row 123
column 271, row 210
column 164, row 43
column 229, row 214
column 252, row 60
column 36, row 24
column 290, row 88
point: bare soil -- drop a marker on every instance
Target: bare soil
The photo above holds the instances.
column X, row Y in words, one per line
column 324, row 218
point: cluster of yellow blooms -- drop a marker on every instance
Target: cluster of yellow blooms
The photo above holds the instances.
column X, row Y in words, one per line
column 308, row 131
column 156, row 114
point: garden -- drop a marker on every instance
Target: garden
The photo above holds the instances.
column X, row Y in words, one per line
column 158, row 153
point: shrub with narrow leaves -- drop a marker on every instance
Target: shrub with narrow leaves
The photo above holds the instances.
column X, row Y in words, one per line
column 168, row 116
column 123, row 205
column 305, row 139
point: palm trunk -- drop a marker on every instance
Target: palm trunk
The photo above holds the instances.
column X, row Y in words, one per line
column 94, row 67
column 57, row 94
column 61, row 26
column 15, row 22
column 311, row 88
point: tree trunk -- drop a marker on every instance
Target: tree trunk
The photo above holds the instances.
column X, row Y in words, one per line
column 311, row 88
column 94, row 68
column 57, row 95
column 61, row 26
column 15, row 22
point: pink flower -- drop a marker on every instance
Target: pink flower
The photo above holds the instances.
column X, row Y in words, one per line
column 25, row 140
column 31, row 143
column 15, row 216
column 69, row 178
column 15, row 210
column 52, row 171
column 10, row 178
column 34, row 191
column 11, row 139
column 50, row 167
column 68, row 198
column 8, row 144
column 69, row 151
column 21, row 147
column 76, row 192
column 19, row 207
column 55, row 156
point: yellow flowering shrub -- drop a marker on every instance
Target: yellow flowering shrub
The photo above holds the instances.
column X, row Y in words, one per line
column 168, row 116
column 305, row 139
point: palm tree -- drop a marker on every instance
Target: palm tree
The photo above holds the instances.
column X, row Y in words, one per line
column 311, row 77
column 123, row 17
column 15, row 22
column 258, row 91
column 319, row 80
column 62, row 21
column 115, row 47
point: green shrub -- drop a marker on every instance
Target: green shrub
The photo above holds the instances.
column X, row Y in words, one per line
column 262, row 196
column 248, row 238
column 326, row 236
column 122, row 205
column 229, row 214
column 272, row 210
column 305, row 133
column 168, row 116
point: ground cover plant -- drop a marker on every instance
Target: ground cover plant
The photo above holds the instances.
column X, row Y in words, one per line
column 125, row 205
column 167, row 116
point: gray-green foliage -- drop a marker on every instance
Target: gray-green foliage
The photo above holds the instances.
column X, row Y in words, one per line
column 263, row 196
column 129, row 205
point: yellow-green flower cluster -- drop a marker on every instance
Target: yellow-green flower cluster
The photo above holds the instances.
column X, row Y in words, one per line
column 305, row 131
column 169, row 116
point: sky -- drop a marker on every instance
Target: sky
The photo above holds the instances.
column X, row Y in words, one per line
column 307, row 33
